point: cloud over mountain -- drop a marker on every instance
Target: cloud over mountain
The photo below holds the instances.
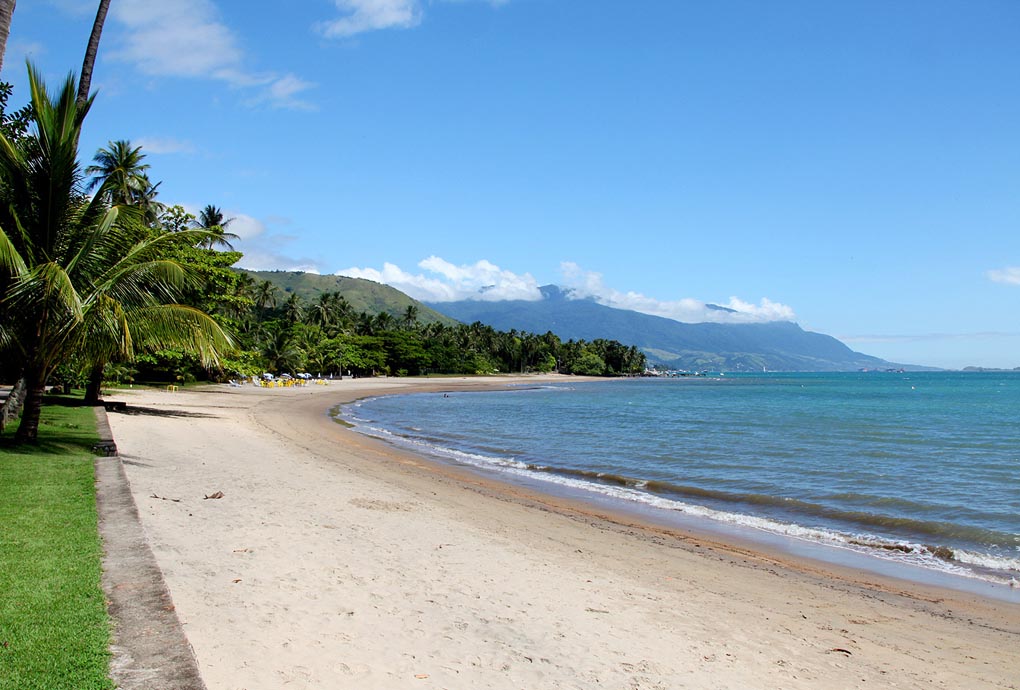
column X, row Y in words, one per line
column 689, row 310
column 442, row 281
column 449, row 283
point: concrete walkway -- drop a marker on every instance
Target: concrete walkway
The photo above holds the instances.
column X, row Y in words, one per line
column 150, row 650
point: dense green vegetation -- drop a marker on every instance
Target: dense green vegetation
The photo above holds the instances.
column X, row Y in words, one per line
column 360, row 294
column 280, row 332
column 86, row 280
column 328, row 336
column 54, row 631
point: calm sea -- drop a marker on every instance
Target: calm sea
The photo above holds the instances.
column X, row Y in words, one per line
column 922, row 468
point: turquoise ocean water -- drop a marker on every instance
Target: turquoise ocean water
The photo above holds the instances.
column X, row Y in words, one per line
column 923, row 468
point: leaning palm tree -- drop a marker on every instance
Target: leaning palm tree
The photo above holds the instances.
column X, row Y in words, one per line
column 125, row 312
column 91, row 51
column 6, row 13
column 80, row 276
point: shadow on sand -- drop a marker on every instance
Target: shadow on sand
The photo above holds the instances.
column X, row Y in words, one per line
column 159, row 412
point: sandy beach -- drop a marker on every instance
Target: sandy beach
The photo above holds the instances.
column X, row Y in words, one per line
column 332, row 560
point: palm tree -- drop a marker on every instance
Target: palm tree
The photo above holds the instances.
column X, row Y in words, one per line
column 410, row 317
column 212, row 216
column 119, row 173
column 79, row 276
column 90, row 53
column 211, row 219
column 6, row 14
column 265, row 295
column 383, row 321
column 152, row 210
column 293, row 309
column 282, row 353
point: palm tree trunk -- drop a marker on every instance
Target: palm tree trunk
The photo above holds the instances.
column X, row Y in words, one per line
column 6, row 12
column 94, row 389
column 90, row 53
column 35, row 388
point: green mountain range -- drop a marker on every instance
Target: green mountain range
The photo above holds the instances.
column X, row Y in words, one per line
column 363, row 295
column 773, row 346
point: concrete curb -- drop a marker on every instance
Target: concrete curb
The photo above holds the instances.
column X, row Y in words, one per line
column 106, row 445
column 150, row 650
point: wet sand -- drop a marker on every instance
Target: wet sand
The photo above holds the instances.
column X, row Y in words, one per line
column 333, row 560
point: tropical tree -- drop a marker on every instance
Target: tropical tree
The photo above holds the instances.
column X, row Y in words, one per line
column 265, row 295
column 79, row 276
column 6, row 14
column 151, row 209
column 212, row 221
column 282, row 353
column 322, row 311
column 176, row 219
column 409, row 319
column 383, row 321
column 120, row 171
column 14, row 125
column 91, row 51
column 293, row 309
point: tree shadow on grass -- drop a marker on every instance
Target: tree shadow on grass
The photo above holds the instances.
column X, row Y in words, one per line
column 51, row 445
column 61, row 431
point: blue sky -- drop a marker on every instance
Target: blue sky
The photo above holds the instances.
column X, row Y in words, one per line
column 853, row 166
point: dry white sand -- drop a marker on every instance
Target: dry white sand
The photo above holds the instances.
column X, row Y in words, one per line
column 334, row 561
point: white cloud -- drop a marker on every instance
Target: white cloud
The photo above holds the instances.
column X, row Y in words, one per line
column 263, row 249
column 448, row 283
column 1008, row 276
column 19, row 51
column 185, row 38
column 588, row 284
column 369, row 15
column 359, row 16
column 159, row 145
column 267, row 260
column 244, row 226
column 443, row 281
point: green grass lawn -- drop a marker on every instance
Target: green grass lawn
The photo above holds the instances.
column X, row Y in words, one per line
column 54, row 629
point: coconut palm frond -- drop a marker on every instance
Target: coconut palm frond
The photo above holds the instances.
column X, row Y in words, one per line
column 10, row 258
column 89, row 237
column 144, row 283
column 178, row 326
column 105, row 332
column 47, row 286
